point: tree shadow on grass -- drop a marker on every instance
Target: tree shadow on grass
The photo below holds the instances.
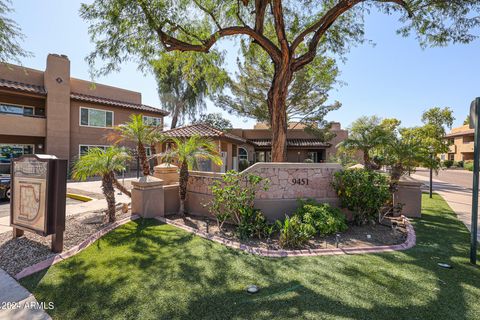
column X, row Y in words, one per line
column 149, row 270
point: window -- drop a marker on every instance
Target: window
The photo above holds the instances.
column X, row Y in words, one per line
column 451, row 157
column 12, row 151
column 152, row 121
column 468, row 139
column 263, row 156
column 242, row 154
column 96, row 118
column 84, row 148
column 21, row 110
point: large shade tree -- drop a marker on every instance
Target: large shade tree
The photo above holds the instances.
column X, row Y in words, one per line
column 302, row 31
column 10, row 35
column 184, row 80
column 307, row 93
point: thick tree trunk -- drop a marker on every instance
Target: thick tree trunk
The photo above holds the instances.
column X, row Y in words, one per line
column 183, row 186
column 277, row 97
column 109, row 192
column 121, row 188
column 175, row 114
column 143, row 159
column 154, row 151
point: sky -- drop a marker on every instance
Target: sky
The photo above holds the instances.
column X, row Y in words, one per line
column 393, row 78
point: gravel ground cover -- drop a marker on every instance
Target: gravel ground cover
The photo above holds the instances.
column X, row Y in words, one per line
column 17, row 254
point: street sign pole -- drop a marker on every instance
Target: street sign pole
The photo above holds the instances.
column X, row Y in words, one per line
column 474, row 122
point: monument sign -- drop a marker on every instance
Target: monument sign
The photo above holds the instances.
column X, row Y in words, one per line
column 38, row 197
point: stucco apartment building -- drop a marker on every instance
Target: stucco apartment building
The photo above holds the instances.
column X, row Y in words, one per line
column 254, row 145
column 51, row 112
column 461, row 144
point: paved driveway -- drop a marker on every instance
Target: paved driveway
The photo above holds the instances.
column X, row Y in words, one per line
column 455, row 192
column 462, row 178
column 4, row 208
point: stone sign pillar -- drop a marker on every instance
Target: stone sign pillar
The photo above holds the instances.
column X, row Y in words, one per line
column 148, row 197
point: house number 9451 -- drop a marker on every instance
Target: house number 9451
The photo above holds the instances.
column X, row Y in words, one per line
column 299, row 181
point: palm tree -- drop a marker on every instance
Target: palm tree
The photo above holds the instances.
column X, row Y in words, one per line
column 187, row 153
column 103, row 163
column 367, row 134
column 139, row 132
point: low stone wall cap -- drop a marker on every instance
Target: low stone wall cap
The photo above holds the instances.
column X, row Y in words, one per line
column 147, row 181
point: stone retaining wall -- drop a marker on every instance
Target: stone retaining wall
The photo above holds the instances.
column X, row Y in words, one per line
column 288, row 182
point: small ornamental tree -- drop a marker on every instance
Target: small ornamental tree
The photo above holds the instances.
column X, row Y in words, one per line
column 188, row 152
column 103, row 163
column 361, row 191
column 234, row 196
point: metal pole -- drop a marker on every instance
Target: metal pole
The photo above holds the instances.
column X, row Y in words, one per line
column 473, row 242
column 431, row 175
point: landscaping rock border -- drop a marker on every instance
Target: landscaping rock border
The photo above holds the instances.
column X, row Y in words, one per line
column 74, row 250
column 409, row 243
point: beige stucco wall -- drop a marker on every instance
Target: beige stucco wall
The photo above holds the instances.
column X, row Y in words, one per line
column 104, row 91
column 21, row 74
column 281, row 198
column 22, row 126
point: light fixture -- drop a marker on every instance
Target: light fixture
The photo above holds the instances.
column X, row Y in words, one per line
column 252, row 289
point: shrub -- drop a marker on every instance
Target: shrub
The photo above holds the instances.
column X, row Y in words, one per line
column 294, row 233
column 243, row 164
column 459, row 164
column 448, row 163
column 253, row 224
column 308, row 160
column 323, row 217
column 468, row 165
column 362, row 191
column 233, row 198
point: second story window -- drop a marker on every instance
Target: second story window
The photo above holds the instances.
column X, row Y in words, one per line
column 21, row 110
column 96, row 118
column 152, row 121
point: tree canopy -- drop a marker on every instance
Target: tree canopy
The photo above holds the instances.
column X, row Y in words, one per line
column 215, row 120
column 306, row 97
column 10, row 35
column 292, row 33
column 185, row 79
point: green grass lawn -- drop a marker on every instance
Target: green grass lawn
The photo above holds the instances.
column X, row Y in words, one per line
column 146, row 270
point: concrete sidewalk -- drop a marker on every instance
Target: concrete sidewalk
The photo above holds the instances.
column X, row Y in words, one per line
column 458, row 198
column 17, row 303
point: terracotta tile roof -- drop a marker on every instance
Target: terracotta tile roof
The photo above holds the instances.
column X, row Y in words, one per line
column 23, row 87
column 204, row 131
column 460, row 133
column 116, row 103
column 295, row 143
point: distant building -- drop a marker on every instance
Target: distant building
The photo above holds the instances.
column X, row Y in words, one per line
column 254, row 145
column 461, row 144
column 51, row 112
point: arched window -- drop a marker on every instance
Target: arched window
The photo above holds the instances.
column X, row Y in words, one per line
column 242, row 154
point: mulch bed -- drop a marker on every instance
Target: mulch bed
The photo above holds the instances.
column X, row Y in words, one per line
column 368, row 235
column 17, row 254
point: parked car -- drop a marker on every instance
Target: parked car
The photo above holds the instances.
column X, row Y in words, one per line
column 5, row 191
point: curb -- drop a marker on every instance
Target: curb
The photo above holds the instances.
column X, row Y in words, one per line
column 409, row 243
column 72, row 251
column 79, row 197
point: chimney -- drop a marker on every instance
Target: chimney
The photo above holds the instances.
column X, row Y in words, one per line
column 57, row 85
